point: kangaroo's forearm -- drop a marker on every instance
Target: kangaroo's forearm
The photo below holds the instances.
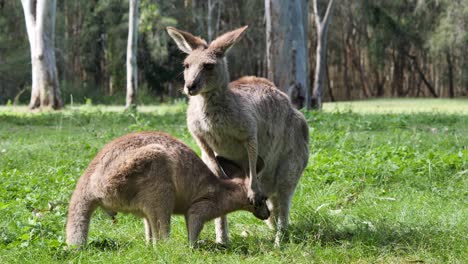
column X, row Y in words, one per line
column 209, row 157
column 252, row 151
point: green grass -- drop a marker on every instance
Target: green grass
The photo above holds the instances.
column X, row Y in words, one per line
column 389, row 187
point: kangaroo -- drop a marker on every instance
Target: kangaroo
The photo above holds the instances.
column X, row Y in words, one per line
column 248, row 121
column 153, row 175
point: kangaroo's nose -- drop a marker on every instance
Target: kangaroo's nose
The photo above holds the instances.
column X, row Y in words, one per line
column 190, row 85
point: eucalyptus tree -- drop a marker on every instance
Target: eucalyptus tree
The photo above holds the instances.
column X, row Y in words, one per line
column 286, row 45
column 40, row 25
column 132, row 68
column 322, row 23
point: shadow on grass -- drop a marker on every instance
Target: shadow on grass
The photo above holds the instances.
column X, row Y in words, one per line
column 311, row 230
column 103, row 245
column 108, row 244
column 323, row 229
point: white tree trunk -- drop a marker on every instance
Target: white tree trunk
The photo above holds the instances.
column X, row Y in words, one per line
column 212, row 26
column 132, row 77
column 209, row 20
column 322, row 25
column 40, row 25
column 286, row 36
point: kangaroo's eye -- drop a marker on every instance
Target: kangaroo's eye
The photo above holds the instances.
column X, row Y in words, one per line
column 209, row 66
column 186, row 65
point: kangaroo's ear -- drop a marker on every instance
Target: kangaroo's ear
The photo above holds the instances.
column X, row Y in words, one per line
column 222, row 44
column 186, row 41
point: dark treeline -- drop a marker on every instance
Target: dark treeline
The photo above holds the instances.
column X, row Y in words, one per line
column 376, row 48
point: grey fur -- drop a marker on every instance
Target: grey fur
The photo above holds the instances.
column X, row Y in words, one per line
column 248, row 121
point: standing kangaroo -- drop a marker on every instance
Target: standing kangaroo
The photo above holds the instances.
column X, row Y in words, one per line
column 248, row 121
column 153, row 175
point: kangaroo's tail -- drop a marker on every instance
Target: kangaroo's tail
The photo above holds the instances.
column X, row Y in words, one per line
column 82, row 206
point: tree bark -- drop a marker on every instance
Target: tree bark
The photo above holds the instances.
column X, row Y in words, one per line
column 329, row 83
column 450, row 74
column 286, row 42
column 346, row 82
column 322, row 25
column 356, row 61
column 209, row 20
column 398, row 72
column 132, row 76
column 422, row 76
column 379, row 82
column 40, row 25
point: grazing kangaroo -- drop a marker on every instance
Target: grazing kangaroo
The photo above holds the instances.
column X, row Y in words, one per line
column 154, row 175
column 248, row 121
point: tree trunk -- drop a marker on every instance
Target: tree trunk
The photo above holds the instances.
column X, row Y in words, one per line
column 197, row 17
column 346, row 82
column 379, row 82
column 322, row 24
column 132, row 77
column 463, row 72
column 450, row 74
column 398, row 72
column 209, row 19
column 286, row 42
column 329, row 83
column 40, row 26
column 422, row 76
column 356, row 61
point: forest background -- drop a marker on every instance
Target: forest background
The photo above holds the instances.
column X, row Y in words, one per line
column 402, row 48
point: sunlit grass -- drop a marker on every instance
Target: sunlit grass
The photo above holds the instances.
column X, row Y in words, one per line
column 386, row 187
column 157, row 109
column 410, row 105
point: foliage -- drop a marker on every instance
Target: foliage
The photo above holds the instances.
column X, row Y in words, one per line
column 153, row 24
column 452, row 29
column 368, row 52
column 14, row 52
column 382, row 187
column 398, row 48
column 411, row 22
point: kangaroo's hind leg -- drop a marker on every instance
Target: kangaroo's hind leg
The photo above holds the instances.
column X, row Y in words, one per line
column 157, row 225
column 285, row 191
column 282, row 220
column 272, row 204
column 158, row 207
column 158, row 217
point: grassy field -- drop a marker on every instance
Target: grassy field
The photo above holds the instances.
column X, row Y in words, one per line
column 387, row 181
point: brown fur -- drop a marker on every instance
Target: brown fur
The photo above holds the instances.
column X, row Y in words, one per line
column 248, row 121
column 252, row 81
column 154, row 175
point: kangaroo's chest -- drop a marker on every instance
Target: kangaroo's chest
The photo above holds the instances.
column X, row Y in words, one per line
column 221, row 134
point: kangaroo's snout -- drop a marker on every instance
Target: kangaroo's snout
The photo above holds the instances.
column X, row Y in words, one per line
column 192, row 87
column 262, row 212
